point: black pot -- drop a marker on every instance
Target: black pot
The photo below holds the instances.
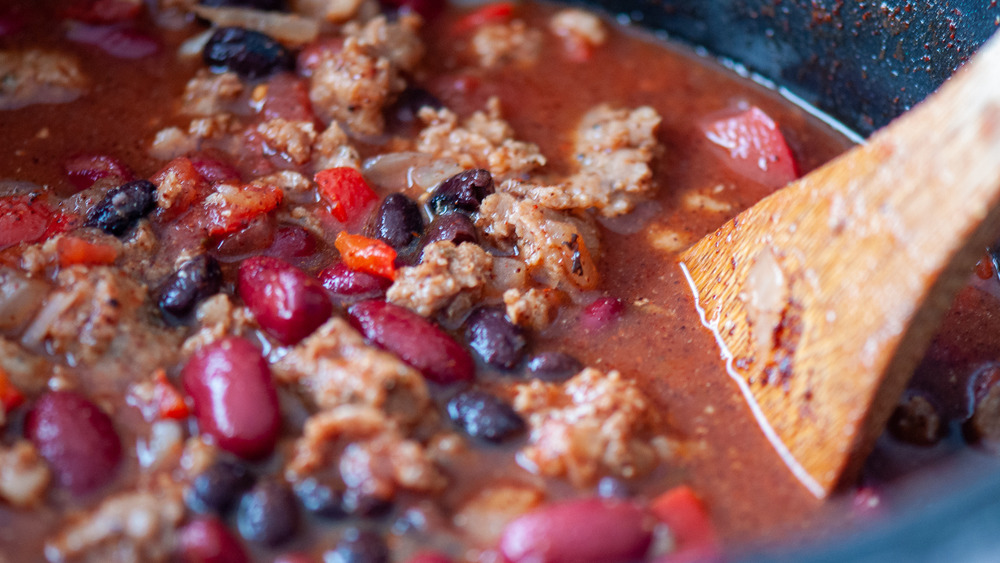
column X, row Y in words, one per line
column 863, row 63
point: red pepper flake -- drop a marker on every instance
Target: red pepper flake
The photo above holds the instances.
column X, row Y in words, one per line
column 10, row 396
column 367, row 255
column 498, row 12
column 75, row 250
column 347, row 192
column 169, row 401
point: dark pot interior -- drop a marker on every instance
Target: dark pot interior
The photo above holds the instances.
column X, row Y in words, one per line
column 863, row 63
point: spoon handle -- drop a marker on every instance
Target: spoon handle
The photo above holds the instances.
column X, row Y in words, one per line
column 824, row 295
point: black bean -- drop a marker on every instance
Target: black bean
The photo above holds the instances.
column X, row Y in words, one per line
column 268, row 514
column 610, row 487
column 365, row 505
column 321, row 499
column 462, row 192
column 498, row 342
column 916, row 421
column 250, row 54
column 485, row 416
column 554, row 366
column 406, row 110
column 196, row 280
column 122, row 207
column 398, row 221
column 358, row 546
column 453, row 227
column 217, row 488
column 268, row 5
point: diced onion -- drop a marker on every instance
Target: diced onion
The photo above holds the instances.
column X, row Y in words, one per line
column 287, row 28
column 392, row 170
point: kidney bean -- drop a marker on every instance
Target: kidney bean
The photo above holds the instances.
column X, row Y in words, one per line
column 217, row 488
column 365, row 504
column 213, row 170
column 115, row 40
column 498, row 342
column 601, row 313
column 122, row 207
column 462, row 192
column 234, row 397
column 207, row 540
column 196, row 280
column 76, row 438
column 453, row 227
column 554, row 366
column 353, row 285
column 268, row 514
column 294, row 558
column 414, row 340
column 485, row 416
column 292, row 241
column 288, row 303
column 429, row 557
column 579, row 531
column 428, row 9
column 398, row 221
column 916, row 421
column 358, row 546
column 250, row 54
column 85, row 169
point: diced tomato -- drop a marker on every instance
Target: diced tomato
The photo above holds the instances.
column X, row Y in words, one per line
column 25, row 220
column 688, row 521
column 754, row 146
column 367, row 255
column 287, row 97
column 498, row 12
column 104, row 11
column 85, row 169
column 169, row 401
column 10, row 396
column 347, row 192
column 75, row 250
column 232, row 207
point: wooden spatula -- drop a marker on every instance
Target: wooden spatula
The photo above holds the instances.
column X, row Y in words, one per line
column 824, row 296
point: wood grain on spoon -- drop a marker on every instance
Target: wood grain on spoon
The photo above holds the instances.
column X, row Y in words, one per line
column 824, row 295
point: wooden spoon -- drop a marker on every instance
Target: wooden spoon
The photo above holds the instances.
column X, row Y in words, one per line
column 824, row 296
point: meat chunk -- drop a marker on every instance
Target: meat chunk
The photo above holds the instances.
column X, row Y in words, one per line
column 581, row 32
column 23, row 475
column 291, row 139
column 333, row 11
column 332, row 150
column 374, row 459
column 208, row 94
column 351, row 86
column 93, row 312
column 533, row 308
column 448, row 277
column 484, row 140
column 559, row 249
column 39, row 77
column 512, row 43
column 131, row 526
column 614, row 148
column 397, row 41
column 217, row 318
column 591, row 425
column 484, row 516
column 336, row 367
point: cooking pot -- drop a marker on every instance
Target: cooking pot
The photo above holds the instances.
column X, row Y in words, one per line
column 863, row 63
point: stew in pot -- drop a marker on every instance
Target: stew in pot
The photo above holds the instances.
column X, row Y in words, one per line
column 341, row 280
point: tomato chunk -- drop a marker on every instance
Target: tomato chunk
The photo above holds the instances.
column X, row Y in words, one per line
column 10, row 396
column 498, row 12
column 754, row 147
column 367, row 255
column 684, row 514
column 75, row 250
column 25, row 220
column 233, row 207
column 347, row 192
column 169, row 401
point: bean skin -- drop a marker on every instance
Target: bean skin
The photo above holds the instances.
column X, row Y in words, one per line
column 288, row 303
column 498, row 342
column 207, row 540
column 268, row 514
column 398, row 221
column 219, row 487
column 462, row 192
column 196, row 280
column 554, row 366
column 452, row 227
column 485, row 416
column 414, row 340
column 250, row 54
column 122, row 207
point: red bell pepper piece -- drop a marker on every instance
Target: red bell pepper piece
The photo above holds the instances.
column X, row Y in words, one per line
column 10, row 396
column 169, row 401
column 75, row 250
column 688, row 521
column 367, row 255
column 346, row 191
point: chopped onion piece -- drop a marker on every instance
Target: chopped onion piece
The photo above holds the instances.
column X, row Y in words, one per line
column 287, row 28
column 195, row 45
column 392, row 170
